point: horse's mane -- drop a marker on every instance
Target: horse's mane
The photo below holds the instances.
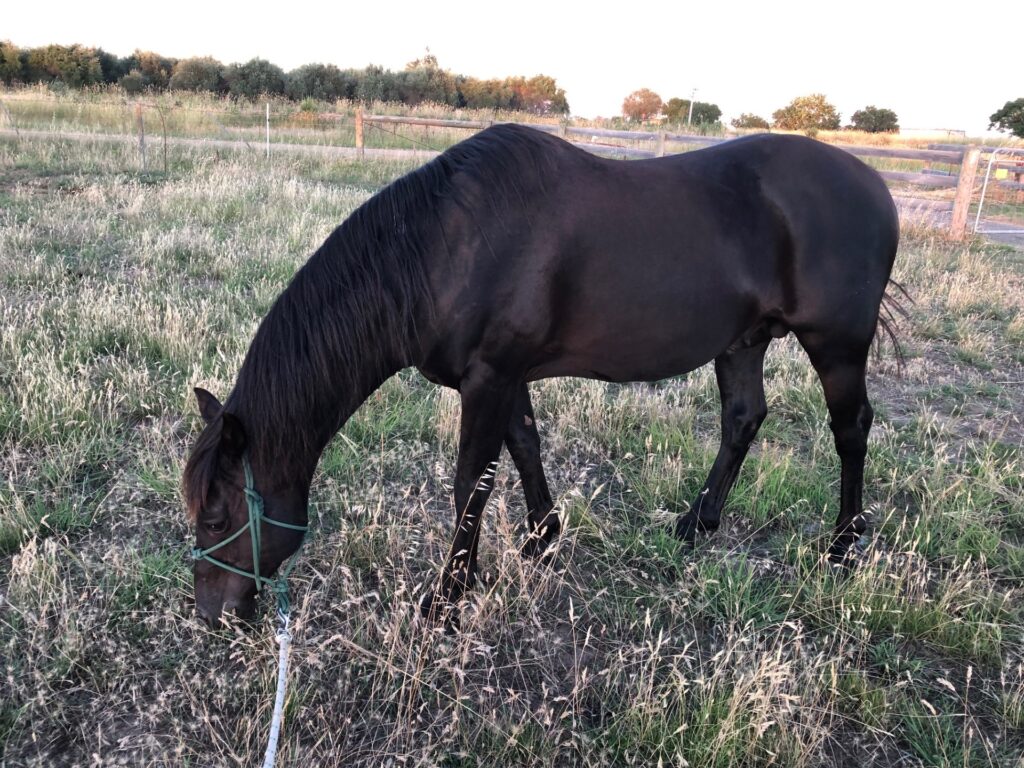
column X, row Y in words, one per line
column 352, row 308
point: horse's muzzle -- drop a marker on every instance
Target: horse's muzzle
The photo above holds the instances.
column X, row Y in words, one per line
column 211, row 613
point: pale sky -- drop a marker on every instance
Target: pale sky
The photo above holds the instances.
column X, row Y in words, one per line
column 937, row 64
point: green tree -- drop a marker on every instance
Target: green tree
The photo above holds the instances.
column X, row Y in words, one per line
column 255, row 78
column 200, row 73
column 113, row 67
column 424, row 80
column 641, row 104
column 875, row 120
column 807, row 113
column 539, row 94
column 320, row 81
column 1010, row 118
column 154, row 69
column 484, row 94
column 10, row 62
column 542, row 96
column 678, row 111
column 748, row 120
column 378, row 84
column 73, row 65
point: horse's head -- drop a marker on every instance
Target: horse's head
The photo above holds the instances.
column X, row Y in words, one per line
column 248, row 522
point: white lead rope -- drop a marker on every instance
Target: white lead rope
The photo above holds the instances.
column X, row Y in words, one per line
column 284, row 639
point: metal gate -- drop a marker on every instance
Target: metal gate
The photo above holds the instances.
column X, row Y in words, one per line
column 1004, row 193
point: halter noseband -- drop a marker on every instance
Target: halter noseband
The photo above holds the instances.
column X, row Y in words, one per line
column 256, row 515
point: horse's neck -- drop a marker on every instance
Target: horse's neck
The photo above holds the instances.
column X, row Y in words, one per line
column 290, row 430
column 342, row 327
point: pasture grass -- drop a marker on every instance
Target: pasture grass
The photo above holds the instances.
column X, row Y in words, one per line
column 119, row 291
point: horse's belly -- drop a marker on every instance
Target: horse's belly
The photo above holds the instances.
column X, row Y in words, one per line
column 649, row 369
column 621, row 352
column 644, row 326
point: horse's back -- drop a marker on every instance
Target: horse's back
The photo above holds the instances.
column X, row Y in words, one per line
column 646, row 269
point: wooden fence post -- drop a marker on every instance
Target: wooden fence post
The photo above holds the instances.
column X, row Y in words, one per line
column 964, row 192
column 142, row 133
column 661, row 144
column 359, row 131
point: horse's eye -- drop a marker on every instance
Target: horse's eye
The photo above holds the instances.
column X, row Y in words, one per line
column 218, row 526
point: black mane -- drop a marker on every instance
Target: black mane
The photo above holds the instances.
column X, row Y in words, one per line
column 351, row 310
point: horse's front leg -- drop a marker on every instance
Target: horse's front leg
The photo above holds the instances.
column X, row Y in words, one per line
column 487, row 402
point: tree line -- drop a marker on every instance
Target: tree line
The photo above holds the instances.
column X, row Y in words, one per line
column 805, row 113
column 422, row 80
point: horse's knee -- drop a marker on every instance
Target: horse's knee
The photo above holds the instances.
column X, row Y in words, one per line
column 742, row 423
column 851, row 435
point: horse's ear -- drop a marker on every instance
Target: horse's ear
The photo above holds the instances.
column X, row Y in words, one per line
column 209, row 406
column 232, row 436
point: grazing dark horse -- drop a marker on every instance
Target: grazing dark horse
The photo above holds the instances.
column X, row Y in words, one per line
column 514, row 257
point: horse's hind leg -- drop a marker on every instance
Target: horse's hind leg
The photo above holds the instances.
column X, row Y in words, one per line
column 740, row 375
column 523, row 443
column 841, row 370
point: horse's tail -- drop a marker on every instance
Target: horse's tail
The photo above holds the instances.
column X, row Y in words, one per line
column 892, row 307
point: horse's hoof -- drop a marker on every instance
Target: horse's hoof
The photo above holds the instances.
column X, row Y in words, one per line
column 538, row 544
column 686, row 530
column 688, row 525
column 842, row 556
column 538, row 549
column 436, row 610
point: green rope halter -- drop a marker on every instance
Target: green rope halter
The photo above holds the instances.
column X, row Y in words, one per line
column 254, row 501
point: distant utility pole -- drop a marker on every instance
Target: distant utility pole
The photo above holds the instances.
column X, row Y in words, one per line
column 689, row 118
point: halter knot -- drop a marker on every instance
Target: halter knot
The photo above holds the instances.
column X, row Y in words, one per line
column 254, row 502
column 253, row 499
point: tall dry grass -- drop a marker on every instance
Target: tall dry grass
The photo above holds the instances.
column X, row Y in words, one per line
column 120, row 291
